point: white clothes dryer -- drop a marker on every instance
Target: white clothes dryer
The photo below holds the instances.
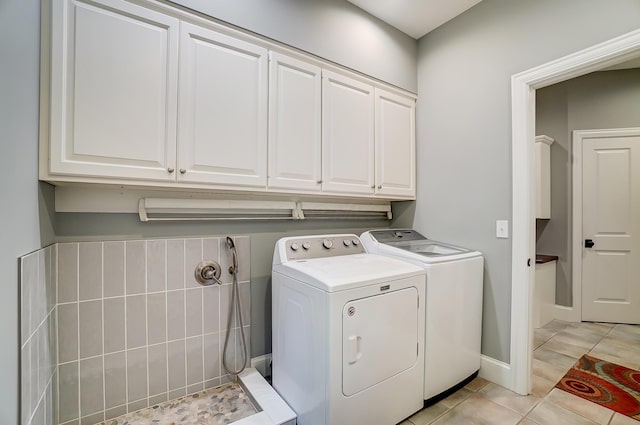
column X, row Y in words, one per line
column 453, row 304
column 348, row 332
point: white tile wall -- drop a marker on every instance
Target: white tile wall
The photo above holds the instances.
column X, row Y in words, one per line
column 134, row 328
column 38, row 335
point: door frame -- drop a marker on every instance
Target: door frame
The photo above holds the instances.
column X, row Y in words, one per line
column 576, row 239
column 523, row 97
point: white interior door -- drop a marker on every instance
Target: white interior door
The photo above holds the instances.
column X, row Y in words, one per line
column 610, row 227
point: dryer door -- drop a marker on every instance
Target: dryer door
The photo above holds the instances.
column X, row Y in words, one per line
column 379, row 338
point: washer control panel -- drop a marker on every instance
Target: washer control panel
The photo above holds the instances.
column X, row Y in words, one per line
column 308, row 247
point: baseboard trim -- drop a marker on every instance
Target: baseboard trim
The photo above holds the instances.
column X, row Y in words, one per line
column 568, row 314
column 495, row 371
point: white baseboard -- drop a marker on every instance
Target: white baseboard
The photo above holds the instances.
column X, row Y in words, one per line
column 568, row 314
column 262, row 364
column 495, row 371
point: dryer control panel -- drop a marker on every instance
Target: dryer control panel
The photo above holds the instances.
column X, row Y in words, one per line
column 308, row 247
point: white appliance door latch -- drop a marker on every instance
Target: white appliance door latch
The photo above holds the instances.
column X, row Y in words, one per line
column 354, row 343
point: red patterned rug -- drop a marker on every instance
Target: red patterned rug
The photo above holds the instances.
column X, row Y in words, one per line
column 607, row 384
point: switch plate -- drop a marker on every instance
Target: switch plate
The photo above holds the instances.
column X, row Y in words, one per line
column 502, row 229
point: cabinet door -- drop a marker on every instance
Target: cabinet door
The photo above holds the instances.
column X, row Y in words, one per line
column 395, row 145
column 222, row 126
column 294, row 124
column 113, row 90
column 347, row 135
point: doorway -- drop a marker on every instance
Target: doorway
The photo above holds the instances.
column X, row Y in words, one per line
column 523, row 90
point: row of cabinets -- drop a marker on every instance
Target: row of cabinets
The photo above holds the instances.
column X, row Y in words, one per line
column 142, row 96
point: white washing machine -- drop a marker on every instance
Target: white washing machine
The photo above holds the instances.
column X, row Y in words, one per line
column 453, row 304
column 348, row 332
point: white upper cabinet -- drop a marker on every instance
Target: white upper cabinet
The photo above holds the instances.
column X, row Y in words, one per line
column 395, row 145
column 347, row 134
column 294, row 124
column 141, row 93
column 113, row 90
column 542, row 166
column 222, row 124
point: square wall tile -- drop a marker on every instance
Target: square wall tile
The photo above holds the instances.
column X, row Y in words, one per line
column 136, row 261
column 192, row 256
column 113, row 273
column 90, row 270
column 67, row 272
column 156, row 317
column 175, row 264
column 90, row 313
column 156, row 265
column 67, row 332
column 136, row 321
column 114, row 324
column 91, row 386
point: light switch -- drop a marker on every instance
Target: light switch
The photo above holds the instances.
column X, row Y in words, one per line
column 502, row 229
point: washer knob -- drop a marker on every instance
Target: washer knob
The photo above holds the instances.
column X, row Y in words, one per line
column 346, row 242
column 327, row 243
column 355, row 242
column 294, row 246
column 306, row 246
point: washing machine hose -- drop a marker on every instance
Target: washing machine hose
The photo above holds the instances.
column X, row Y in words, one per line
column 234, row 308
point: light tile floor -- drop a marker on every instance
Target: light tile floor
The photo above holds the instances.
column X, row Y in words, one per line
column 558, row 345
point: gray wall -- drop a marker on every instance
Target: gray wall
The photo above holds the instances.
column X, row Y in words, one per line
column 464, row 123
column 332, row 29
column 21, row 234
column 599, row 100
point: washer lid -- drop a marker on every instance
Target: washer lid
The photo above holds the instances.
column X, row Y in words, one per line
column 347, row 272
column 412, row 246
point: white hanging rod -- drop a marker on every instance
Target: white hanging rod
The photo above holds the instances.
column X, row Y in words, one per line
column 166, row 209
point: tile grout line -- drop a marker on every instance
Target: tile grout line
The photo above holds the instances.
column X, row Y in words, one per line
column 104, row 372
column 146, row 311
column 126, row 342
column 77, row 245
column 166, row 312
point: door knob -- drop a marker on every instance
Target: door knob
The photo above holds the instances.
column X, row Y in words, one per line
column 588, row 243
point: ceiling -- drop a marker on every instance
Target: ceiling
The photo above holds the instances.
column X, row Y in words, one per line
column 415, row 17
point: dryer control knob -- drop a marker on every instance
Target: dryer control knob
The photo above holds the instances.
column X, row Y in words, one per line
column 294, row 246
column 346, row 242
column 327, row 243
column 355, row 242
column 306, row 246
